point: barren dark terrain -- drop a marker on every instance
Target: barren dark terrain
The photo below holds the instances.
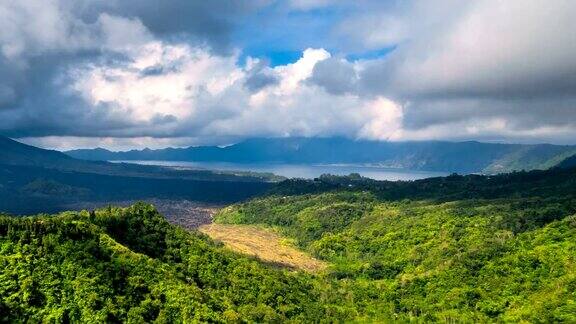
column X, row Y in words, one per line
column 185, row 213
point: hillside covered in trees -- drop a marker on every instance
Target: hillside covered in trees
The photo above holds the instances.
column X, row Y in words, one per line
column 119, row 265
column 459, row 248
column 468, row 248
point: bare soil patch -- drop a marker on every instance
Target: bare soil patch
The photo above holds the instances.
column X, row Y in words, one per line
column 263, row 244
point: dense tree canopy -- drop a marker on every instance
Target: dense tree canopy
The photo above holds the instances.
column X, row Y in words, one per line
column 131, row 265
column 475, row 248
column 494, row 249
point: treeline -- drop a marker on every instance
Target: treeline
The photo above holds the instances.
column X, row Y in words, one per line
column 537, row 183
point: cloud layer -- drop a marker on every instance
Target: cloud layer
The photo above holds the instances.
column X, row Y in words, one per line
column 193, row 93
column 132, row 73
column 485, row 69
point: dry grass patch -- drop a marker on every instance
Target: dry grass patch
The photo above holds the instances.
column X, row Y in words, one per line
column 263, row 244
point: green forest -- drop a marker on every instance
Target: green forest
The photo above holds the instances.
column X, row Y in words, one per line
column 453, row 249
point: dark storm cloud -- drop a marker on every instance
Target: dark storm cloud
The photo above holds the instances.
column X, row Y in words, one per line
column 211, row 22
column 260, row 77
column 38, row 105
column 335, row 75
column 11, row 83
column 32, row 100
column 258, row 81
column 43, row 105
column 558, row 112
column 484, row 63
column 480, row 69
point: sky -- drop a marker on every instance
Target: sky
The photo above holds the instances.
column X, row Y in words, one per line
column 125, row 74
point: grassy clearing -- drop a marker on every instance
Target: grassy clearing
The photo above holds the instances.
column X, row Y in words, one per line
column 263, row 244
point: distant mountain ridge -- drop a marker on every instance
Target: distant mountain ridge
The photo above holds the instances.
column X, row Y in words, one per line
column 462, row 157
column 16, row 153
column 36, row 180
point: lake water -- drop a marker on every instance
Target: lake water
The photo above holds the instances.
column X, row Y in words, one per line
column 307, row 171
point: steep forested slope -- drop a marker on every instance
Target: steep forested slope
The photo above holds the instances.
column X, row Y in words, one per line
column 120, row 265
column 21, row 154
column 568, row 162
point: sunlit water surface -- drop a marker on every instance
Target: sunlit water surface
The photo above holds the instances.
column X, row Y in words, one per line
column 307, row 171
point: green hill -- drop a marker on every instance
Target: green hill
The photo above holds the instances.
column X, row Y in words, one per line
column 569, row 162
column 502, row 252
column 505, row 251
column 130, row 265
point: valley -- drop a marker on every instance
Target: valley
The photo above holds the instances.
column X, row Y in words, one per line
column 183, row 245
column 34, row 180
column 351, row 248
column 287, row 161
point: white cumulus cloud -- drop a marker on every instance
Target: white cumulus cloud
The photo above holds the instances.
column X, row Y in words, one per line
column 175, row 90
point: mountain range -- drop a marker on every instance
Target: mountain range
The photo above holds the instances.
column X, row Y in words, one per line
column 460, row 157
column 36, row 180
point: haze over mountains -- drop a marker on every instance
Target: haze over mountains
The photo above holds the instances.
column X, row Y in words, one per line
column 34, row 180
column 461, row 157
